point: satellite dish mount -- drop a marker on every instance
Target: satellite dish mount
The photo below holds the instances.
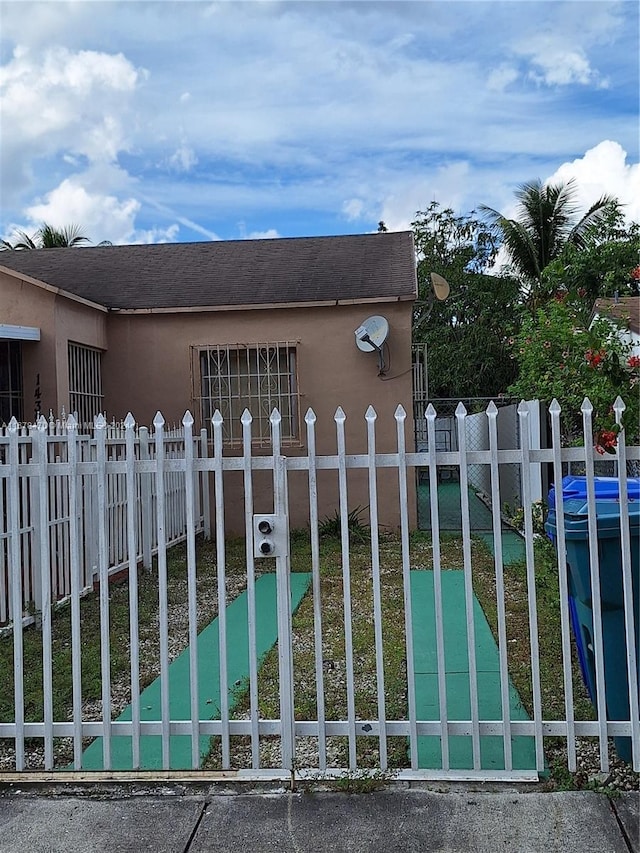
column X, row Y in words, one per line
column 371, row 337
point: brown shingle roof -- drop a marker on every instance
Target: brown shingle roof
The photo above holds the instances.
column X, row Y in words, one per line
column 227, row 273
column 624, row 310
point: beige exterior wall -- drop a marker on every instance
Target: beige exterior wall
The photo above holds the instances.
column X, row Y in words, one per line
column 148, row 368
column 60, row 320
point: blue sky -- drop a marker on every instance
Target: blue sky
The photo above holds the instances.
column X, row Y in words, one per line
column 155, row 121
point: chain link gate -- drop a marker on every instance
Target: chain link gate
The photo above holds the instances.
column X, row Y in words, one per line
column 471, row 414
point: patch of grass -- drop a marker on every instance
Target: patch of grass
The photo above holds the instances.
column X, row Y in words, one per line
column 548, row 611
column 360, row 781
column 119, row 639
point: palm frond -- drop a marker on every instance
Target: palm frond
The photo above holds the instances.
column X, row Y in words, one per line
column 594, row 217
column 545, row 224
column 57, row 238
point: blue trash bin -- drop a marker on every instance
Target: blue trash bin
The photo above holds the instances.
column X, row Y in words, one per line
column 606, row 489
column 611, row 596
column 575, row 488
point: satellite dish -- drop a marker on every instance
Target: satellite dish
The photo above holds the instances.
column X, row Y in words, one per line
column 440, row 286
column 371, row 335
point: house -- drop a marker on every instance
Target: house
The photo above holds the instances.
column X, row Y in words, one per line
column 217, row 325
column 623, row 313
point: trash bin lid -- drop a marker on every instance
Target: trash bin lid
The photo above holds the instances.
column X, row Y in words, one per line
column 576, row 518
column 606, row 488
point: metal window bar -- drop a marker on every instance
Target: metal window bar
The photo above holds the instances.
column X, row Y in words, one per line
column 258, row 377
column 11, row 391
column 86, row 397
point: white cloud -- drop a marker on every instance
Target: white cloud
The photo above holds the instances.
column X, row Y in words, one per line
column 269, row 234
column 501, row 77
column 604, row 170
column 449, row 185
column 100, row 215
column 560, row 68
column 353, row 208
column 183, row 158
column 354, row 111
column 156, row 235
column 63, row 102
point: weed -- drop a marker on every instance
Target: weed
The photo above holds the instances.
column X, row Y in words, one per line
column 515, row 516
column 331, row 525
column 361, row 781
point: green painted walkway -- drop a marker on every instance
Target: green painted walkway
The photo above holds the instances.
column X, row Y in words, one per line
column 208, row 679
column 513, row 547
column 480, row 519
column 457, row 677
column 450, row 508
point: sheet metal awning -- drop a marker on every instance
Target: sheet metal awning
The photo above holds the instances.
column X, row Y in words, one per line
column 19, row 333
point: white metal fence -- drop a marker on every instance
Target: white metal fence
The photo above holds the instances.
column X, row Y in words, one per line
column 36, row 475
column 32, row 474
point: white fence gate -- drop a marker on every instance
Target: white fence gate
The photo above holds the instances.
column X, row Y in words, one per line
column 369, row 673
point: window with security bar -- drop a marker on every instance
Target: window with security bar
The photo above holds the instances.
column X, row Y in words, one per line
column 86, row 399
column 11, row 397
column 257, row 377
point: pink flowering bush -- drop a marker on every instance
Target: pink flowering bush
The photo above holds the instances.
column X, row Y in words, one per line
column 559, row 357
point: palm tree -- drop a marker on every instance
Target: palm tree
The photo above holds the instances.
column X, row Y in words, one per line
column 48, row 237
column 546, row 223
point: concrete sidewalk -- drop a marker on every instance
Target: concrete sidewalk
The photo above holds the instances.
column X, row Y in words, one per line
column 395, row 820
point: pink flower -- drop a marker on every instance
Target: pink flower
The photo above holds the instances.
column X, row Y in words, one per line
column 594, row 358
column 634, row 361
column 605, row 441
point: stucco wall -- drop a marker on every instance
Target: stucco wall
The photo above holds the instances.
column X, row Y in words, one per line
column 60, row 320
column 147, row 368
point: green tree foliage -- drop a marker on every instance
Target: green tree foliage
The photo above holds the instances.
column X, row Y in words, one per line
column 606, row 264
column 559, row 357
column 48, row 237
column 547, row 221
column 466, row 335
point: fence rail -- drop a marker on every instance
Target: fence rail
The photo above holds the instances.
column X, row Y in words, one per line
column 70, row 504
column 51, row 453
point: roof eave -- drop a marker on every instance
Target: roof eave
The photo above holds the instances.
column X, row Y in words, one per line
column 57, row 291
column 327, row 303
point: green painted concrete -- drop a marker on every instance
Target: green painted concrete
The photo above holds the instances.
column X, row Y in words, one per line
column 208, row 679
column 457, row 677
column 450, row 508
column 513, row 547
column 480, row 519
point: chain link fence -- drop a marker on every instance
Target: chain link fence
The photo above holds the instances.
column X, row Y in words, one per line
column 476, row 427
